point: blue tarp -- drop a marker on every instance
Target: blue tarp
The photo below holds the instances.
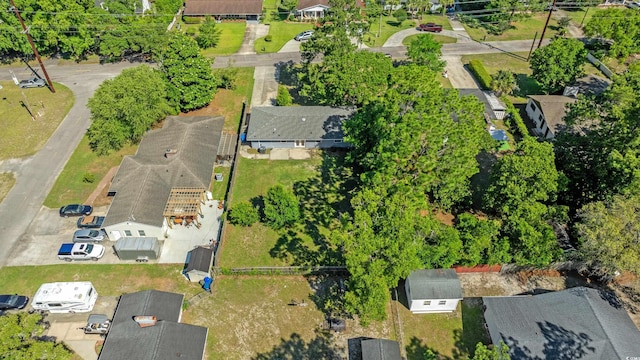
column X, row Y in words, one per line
column 499, row 135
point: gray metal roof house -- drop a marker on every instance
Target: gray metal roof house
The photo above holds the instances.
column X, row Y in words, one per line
column 180, row 155
column 577, row 323
column 160, row 337
column 433, row 291
column 297, row 127
column 380, row 349
column 198, row 264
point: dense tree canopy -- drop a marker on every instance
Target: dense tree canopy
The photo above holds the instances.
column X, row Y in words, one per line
column 346, row 78
column 426, row 51
column 123, row 108
column 609, row 232
column 21, row 338
column 281, row 207
column 190, row 82
column 209, row 34
column 620, row 25
column 558, row 64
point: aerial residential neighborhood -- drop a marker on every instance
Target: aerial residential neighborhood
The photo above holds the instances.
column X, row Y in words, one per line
column 319, row 179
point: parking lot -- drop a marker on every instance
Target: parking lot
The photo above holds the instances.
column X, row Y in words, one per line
column 40, row 244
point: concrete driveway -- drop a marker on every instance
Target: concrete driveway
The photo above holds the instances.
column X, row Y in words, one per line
column 458, row 74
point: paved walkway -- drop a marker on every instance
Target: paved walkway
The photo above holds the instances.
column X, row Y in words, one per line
column 265, row 86
column 573, row 29
column 458, row 74
column 251, row 33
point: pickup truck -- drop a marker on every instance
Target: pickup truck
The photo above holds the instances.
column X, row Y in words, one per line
column 80, row 251
column 90, row 222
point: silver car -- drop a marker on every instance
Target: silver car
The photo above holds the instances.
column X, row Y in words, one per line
column 32, row 83
column 305, row 35
column 89, row 235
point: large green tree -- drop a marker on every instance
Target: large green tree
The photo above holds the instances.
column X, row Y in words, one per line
column 609, row 232
column 190, row 82
column 21, row 338
column 123, row 108
column 426, row 51
column 209, row 34
column 504, row 82
column 346, row 78
column 281, row 207
column 558, row 64
column 419, row 137
column 481, row 241
column 617, row 24
column 599, row 151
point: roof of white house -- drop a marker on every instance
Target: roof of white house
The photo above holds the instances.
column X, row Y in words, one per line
column 180, row 154
column 434, row 284
column 553, row 107
column 579, row 323
column 282, row 123
column 380, row 349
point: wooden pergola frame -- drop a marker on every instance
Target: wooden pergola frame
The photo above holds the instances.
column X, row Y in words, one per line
column 184, row 203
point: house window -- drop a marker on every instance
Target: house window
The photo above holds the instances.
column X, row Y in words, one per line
column 442, row 302
column 427, row 303
column 299, row 143
column 337, row 141
column 532, row 106
column 141, row 233
column 127, row 233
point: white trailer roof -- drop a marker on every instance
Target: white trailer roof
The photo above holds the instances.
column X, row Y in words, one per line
column 63, row 291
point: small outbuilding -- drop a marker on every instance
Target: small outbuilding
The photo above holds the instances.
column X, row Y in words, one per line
column 137, row 248
column 433, row 291
column 198, row 264
column 380, row 349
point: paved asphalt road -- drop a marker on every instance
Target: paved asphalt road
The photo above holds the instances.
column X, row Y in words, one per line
column 36, row 175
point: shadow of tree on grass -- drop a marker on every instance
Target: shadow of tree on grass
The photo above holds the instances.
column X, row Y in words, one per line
column 294, row 348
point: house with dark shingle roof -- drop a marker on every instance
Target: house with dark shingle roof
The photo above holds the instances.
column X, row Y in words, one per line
column 433, row 291
column 577, row 323
column 306, row 127
column 198, row 264
column 380, row 349
column 180, row 155
column 162, row 337
column 224, row 9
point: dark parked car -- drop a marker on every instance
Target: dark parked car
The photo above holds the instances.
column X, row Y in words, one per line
column 90, row 222
column 8, row 302
column 32, row 83
column 89, row 235
column 431, row 27
column 75, row 210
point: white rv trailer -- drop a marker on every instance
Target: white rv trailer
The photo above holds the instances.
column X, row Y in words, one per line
column 65, row 297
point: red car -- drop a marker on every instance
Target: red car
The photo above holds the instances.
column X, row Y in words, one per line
column 431, row 27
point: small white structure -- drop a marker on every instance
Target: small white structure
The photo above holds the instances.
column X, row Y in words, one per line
column 497, row 106
column 65, row 297
column 311, row 9
column 433, row 291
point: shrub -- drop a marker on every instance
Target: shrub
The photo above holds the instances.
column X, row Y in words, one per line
column 191, row 31
column 88, row 178
column 191, row 20
column 281, row 208
column 480, row 73
column 244, row 214
column 513, row 119
column 226, row 77
column 268, row 38
column 400, row 15
column 284, row 97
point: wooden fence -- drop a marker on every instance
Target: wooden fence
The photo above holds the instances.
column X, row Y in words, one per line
column 284, row 270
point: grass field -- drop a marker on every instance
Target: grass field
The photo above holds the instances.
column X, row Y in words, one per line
column 231, row 35
column 578, row 15
column 21, row 135
column 387, row 27
column 219, row 189
column 280, row 32
column 522, row 30
column 69, row 187
column 7, row 180
column 439, row 38
column 109, row 280
column 320, row 183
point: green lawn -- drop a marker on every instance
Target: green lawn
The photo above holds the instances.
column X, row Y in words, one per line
column 231, row 36
column 387, row 27
column 7, row 180
column 280, row 32
column 21, row 135
column 439, row 38
column 69, row 187
column 320, row 186
column 577, row 15
column 228, row 103
column 522, row 30
column 109, row 280
column 219, row 188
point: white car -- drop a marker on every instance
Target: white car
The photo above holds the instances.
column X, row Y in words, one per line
column 305, row 35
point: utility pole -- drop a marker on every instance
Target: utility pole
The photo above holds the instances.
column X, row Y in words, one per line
column 553, row 6
column 33, row 46
column 533, row 43
column 585, row 16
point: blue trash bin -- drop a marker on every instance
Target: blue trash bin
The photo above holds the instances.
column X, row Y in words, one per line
column 207, row 284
